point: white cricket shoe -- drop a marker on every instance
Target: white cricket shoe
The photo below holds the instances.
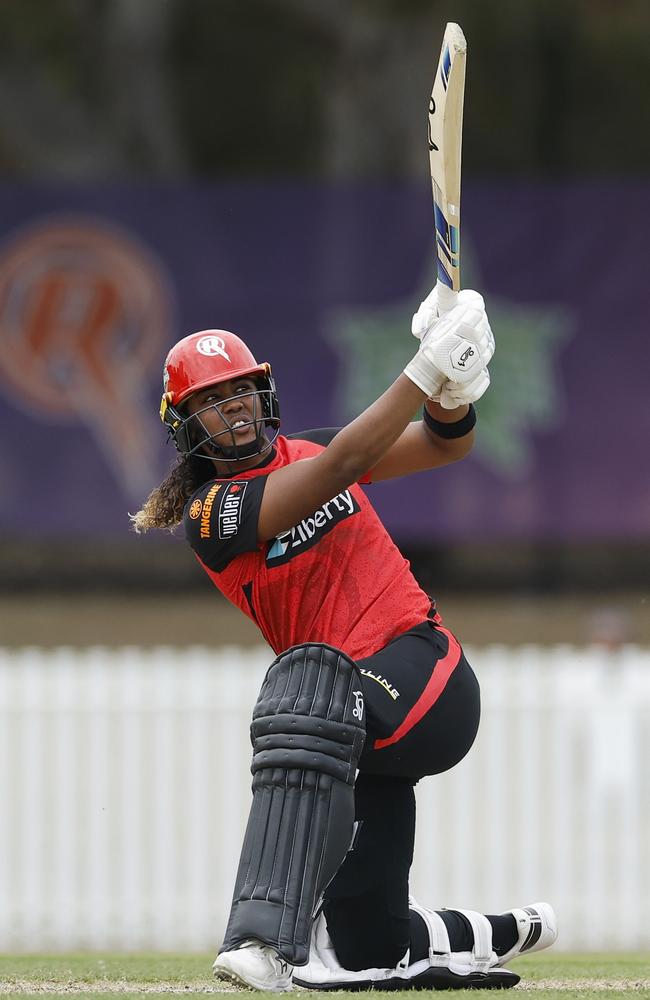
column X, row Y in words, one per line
column 255, row 965
column 536, row 927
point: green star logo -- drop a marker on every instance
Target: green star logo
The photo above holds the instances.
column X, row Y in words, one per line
column 524, row 396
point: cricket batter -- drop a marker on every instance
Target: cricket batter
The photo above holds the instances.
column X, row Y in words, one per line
column 369, row 692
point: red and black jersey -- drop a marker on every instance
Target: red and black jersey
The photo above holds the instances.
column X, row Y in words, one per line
column 335, row 577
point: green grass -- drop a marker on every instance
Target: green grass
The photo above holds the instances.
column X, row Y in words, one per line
column 546, row 977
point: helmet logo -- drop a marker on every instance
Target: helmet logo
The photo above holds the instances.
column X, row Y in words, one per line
column 165, row 378
column 211, row 346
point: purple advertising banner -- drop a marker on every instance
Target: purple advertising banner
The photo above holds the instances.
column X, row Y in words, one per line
column 97, row 283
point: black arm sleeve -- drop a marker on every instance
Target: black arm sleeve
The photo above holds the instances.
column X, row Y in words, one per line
column 220, row 520
column 321, row 435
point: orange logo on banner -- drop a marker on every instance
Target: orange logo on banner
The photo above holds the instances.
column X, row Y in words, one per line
column 195, row 508
column 84, row 316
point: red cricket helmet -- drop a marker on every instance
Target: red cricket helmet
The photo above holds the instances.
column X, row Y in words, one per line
column 207, row 358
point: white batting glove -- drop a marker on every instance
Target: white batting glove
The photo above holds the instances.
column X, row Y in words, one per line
column 456, row 347
column 426, row 315
column 453, row 394
column 432, row 308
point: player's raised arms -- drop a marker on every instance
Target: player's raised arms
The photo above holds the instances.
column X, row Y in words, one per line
column 381, row 439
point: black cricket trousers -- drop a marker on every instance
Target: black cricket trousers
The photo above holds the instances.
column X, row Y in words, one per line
column 423, row 709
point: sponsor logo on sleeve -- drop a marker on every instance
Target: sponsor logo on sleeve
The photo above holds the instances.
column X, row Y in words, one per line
column 230, row 509
column 207, row 509
column 195, row 509
column 311, row 529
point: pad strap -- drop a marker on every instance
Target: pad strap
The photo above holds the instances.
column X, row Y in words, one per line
column 439, row 946
column 480, row 959
column 482, row 930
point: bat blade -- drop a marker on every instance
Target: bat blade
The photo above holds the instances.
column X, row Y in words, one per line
column 445, row 144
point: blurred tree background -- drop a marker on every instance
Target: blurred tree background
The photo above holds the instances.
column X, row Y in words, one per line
column 177, row 89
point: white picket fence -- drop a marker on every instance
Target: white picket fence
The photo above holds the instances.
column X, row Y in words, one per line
column 124, row 787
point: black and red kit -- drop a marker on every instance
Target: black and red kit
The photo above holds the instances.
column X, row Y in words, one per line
column 335, row 577
column 338, row 578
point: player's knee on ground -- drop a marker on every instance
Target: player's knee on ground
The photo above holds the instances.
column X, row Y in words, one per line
column 366, row 906
column 365, row 934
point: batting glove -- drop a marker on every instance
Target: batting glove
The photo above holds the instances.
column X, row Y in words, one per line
column 457, row 347
column 453, row 394
column 426, row 315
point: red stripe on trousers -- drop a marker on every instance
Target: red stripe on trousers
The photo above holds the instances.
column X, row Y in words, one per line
column 437, row 683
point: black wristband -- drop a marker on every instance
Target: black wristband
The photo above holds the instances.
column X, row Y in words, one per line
column 456, row 430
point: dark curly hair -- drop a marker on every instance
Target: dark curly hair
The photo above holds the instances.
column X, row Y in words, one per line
column 164, row 506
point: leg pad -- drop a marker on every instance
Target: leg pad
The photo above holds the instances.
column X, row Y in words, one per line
column 307, row 732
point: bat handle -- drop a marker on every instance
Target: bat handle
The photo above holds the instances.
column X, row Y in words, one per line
column 447, row 297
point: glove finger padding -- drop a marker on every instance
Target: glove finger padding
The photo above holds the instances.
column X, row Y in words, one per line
column 429, row 311
column 426, row 315
column 453, row 394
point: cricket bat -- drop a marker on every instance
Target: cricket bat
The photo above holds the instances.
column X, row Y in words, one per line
column 445, row 141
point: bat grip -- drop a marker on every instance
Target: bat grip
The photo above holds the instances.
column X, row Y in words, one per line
column 447, row 298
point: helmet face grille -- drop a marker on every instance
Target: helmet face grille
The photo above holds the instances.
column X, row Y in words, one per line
column 192, row 438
